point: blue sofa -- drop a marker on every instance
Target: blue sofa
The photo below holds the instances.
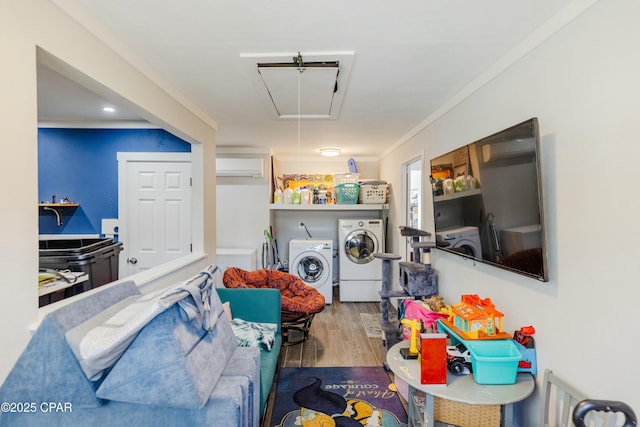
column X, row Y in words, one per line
column 48, row 387
column 258, row 307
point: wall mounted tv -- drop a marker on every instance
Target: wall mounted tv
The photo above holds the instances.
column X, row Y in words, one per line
column 487, row 199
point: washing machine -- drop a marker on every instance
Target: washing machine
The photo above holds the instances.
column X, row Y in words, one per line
column 312, row 261
column 360, row 272
column 465, row 240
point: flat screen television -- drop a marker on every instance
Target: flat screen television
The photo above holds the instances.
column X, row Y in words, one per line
column 487, row 199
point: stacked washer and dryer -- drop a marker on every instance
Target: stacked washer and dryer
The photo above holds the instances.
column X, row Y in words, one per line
column 312, row 261
column 360, row 272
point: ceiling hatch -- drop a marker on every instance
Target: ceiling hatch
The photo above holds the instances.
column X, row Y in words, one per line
column 320, row 77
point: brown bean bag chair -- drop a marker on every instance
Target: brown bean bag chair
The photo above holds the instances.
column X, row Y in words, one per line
column 298, row 298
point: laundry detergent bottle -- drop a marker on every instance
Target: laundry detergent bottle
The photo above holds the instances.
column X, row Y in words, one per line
column 288, row 195
column 295, row 197
column 278, row 196
column 304, row 196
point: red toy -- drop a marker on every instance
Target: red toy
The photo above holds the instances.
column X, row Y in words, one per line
column 433, row 358
column 523, row 338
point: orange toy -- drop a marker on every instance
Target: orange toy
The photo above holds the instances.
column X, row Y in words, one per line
column 476, row 319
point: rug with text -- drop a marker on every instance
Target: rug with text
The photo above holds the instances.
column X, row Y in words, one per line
column 341, row 397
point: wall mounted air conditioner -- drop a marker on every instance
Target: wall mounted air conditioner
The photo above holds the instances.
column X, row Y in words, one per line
column 508, row 149
column 235, row 167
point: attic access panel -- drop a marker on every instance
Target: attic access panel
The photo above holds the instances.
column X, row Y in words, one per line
column 318, row 84
column 322, row 84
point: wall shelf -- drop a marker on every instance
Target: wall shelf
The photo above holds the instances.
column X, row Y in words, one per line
column 457, row 195
column 57, row 209
column 354, row 207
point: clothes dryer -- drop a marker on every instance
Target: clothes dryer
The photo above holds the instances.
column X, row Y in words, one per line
column 312, row 261
column 360, row 272
column 462, row 239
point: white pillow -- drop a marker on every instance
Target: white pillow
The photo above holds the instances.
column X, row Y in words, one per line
column 227, row 310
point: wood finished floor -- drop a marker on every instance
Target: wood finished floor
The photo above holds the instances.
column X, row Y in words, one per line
column 337, row 338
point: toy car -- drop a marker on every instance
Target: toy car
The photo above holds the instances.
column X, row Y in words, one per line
column 458, row 359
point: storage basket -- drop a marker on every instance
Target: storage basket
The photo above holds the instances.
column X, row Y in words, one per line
column 494, row 361
column 465, row 414
column 370, row 193
column 347, row 193
column 451, row 413
column 345, row 178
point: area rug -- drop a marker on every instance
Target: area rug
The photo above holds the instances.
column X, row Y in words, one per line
column 340, row 397
column 371, row 324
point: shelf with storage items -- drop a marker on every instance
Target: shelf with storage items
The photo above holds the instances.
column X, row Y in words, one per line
column 321, row 221
column 336, row 207
column 57, row 209
column 457, row 195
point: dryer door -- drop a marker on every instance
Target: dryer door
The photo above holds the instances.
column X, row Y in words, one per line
column 359, row 246
column 311, row 268
column 466, row 247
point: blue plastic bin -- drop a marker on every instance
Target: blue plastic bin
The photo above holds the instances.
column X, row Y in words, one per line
column 493, row 361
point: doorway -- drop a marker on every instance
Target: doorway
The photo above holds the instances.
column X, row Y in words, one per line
column 154, row 209
column 413, row 199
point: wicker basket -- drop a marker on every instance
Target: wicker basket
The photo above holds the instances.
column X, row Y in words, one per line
column 370, row 193
column 465, row 414
column 347, row 194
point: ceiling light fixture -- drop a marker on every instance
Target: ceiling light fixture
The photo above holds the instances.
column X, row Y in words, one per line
column 108, row 109
column 330, row 152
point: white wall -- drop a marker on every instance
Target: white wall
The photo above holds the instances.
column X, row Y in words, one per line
column 242, row 215
column 24, row 25
column 18, row 182
column 582, row 83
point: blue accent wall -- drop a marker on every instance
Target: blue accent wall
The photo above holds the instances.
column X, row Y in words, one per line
column 81, row 165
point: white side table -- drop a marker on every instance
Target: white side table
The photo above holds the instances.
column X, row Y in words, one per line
column 461, row 388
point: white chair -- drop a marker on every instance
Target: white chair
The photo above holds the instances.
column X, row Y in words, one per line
column 563, row 405
column 559, row 401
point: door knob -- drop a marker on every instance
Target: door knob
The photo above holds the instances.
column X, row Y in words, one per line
column 132, row 260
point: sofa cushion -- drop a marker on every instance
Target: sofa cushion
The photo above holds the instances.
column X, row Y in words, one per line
column 173, row 360
column 101, row 340
column 246, row 363
column 47, row 367
column 94, row 367
column 228, row 406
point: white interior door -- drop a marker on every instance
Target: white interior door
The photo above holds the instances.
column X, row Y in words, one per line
column 155, row 221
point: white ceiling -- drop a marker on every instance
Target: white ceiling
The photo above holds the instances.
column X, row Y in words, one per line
column 411, row 58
